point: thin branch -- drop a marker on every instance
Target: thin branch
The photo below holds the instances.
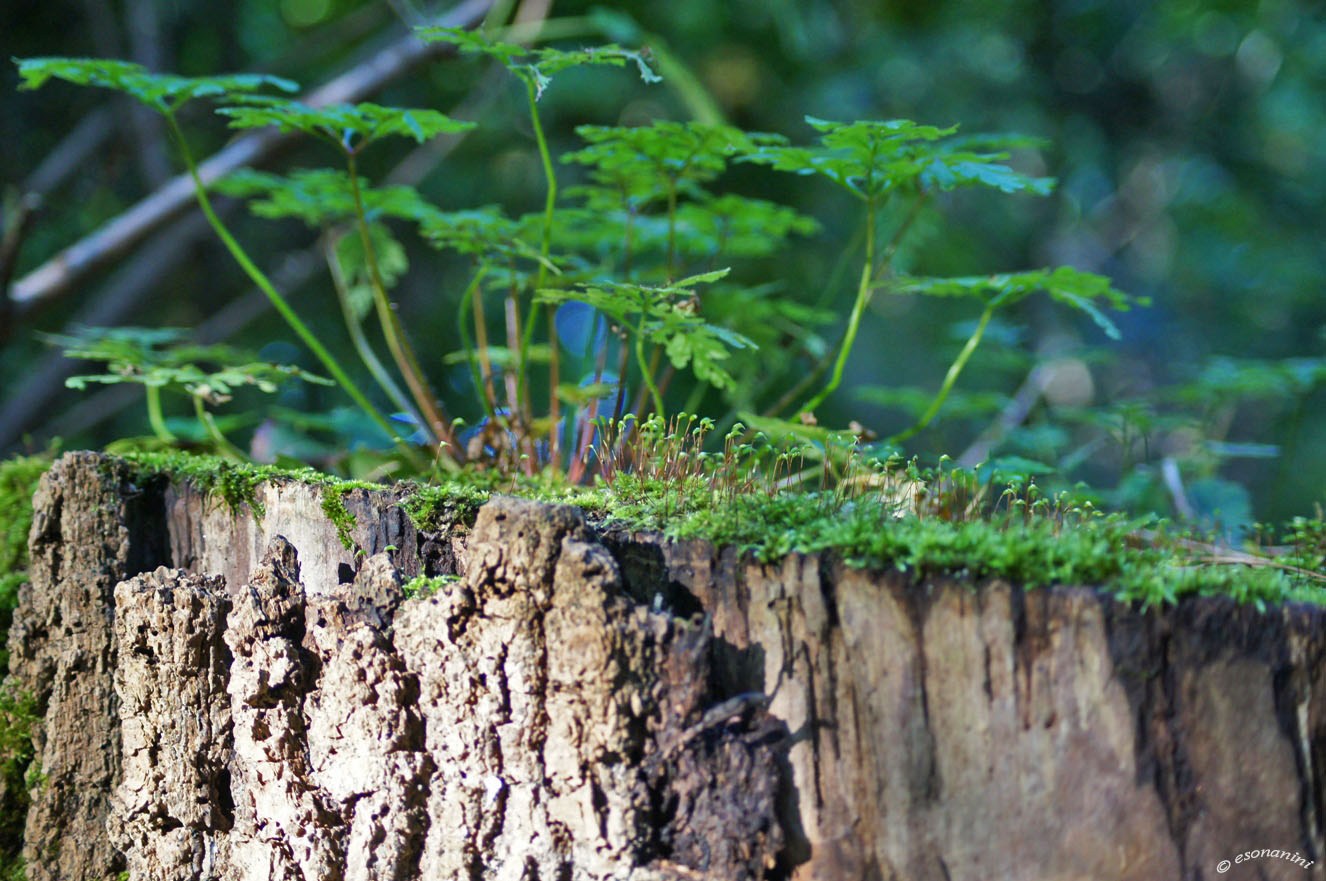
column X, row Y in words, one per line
column 1238, row 559
column 1169, row 470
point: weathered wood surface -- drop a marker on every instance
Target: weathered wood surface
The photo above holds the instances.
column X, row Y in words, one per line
column 589, row 705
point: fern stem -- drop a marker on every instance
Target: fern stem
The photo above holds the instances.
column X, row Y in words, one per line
column 357, row 338
column 481, row 339
column 954, row 370
column 154, row 417
column 434, row 416
column 577, row 465
column 223, row 444
column 482, row 378
column 854, row 320
column 672, row 230
column 645, row 367
column 260, row 279
column 545, row 248
column 550, row 176
column 554, row 403
column 623, row 357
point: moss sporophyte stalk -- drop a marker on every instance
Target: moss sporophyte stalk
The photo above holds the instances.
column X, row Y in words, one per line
column 922, row 522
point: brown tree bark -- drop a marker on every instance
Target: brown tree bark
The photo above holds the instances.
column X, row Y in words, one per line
column 589, row 704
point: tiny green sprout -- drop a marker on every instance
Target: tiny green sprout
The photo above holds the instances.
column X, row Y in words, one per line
column 424, row 586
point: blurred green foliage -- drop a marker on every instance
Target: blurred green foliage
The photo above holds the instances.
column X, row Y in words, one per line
column 1187, row 137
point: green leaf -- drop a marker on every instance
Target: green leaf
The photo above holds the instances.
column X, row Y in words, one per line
column 775, row 324
column 163, row 92
column 485, row 233
column 163, row 357
column 664, row 315
column 1223, row 379
column 553, row 61
column 320, row 197
column 691, row 281
column 350, row 127
column 502, row 357
column 471, row 41
column 963, row 169
column 873, row 158
column 781, row 431
column 738, row 226
column 391, row 260
column 647, row 162
column 702, row 347
column 1065, row 285
column 538, row 66
column 584, row 395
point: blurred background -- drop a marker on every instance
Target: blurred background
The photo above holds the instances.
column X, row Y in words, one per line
column 1188, row 138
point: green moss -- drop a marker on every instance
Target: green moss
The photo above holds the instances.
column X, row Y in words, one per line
column 333, row 506
column 18, row 481
column 232, row 483
column 422, row 586
column 35, row 777
column 18, row 714
column 1030, row 543
column 1030, row 549
column 434, row 508
column 237, row 484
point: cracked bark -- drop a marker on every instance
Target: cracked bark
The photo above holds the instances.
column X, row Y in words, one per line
column 590, row 706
